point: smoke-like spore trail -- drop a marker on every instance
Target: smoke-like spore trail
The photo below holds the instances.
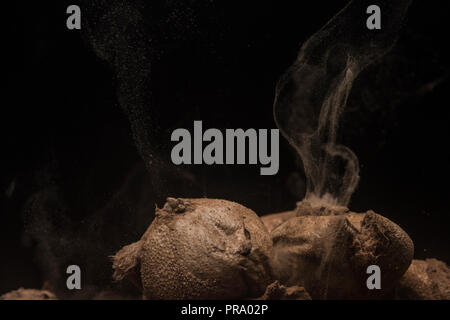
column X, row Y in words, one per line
column 313, row 92
column 130, row 37
column 119, row 33
column 116, row 32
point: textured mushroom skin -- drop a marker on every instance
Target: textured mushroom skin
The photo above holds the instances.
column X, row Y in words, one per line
column 271, row 221
column 28, row 294
column 276, row 291
column 328, row 253
column 425, row 280
column 199, row 249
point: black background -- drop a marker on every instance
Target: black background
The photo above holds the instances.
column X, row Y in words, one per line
column 217, row 61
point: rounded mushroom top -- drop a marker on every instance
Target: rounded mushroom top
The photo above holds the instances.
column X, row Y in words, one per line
column 205, row 249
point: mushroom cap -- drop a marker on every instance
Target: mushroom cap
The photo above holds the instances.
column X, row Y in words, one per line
column 202, row 249
column 329, row 254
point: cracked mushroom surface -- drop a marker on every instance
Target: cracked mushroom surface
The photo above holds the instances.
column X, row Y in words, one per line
column 327, row 251
column 199, row 249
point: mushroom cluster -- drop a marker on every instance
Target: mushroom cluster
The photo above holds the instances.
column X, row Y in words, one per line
column 218, row 249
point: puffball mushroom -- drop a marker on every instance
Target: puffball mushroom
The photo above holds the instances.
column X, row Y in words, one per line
column 425, row 280
column 199, row 249
column 327, row 251
column 28, row 294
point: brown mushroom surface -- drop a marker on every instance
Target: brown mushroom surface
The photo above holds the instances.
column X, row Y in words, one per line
column 425, row 280
column 328, row 250
column 28, row 294
column 199, row 249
